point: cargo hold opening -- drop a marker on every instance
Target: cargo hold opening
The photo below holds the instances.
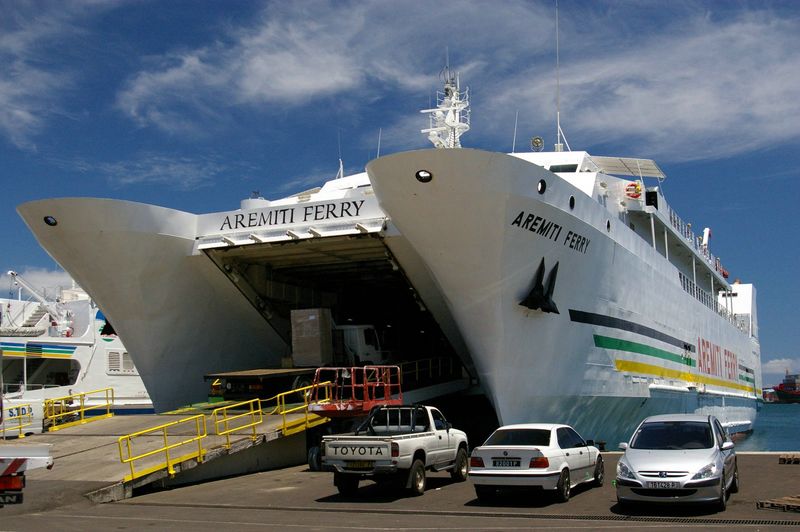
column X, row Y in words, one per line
column 353, row 276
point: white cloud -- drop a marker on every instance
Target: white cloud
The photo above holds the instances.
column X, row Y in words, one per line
column 705, row 85
column 31, row 80
column 310, row 180
column 182, row 173
column 47, row 283
column 25, row 94
column 297, row 54
column 702, row 89
column 675, row 82
column 777, row 368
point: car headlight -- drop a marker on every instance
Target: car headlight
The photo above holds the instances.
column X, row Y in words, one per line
column 708, row 471
column 623, row 471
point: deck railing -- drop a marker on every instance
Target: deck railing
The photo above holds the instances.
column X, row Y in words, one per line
column 685, row 230
column 292, row 407
column 171, row 441
column 232, row 419
column 16, row 418
column 428, row 370
column 70, row 410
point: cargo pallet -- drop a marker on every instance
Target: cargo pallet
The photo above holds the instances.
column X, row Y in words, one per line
column 784, row 504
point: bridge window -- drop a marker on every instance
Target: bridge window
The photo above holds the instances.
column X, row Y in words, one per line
column 564, row 168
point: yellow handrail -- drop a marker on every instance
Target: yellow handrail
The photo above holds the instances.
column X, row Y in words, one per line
column 59, row 409
column 168, row 462
column 223, row 420
column 23, row 416
column 284, row 409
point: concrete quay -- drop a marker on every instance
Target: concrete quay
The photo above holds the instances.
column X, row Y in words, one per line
column 296, row 498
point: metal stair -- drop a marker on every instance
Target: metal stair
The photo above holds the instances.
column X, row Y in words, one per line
column 36, row 317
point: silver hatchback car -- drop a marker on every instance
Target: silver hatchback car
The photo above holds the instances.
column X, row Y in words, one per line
column 678, row 458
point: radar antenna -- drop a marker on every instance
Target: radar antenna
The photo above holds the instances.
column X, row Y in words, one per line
column 450, row 119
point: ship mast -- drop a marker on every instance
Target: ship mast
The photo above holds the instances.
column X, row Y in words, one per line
column 559, row 132
column 450, row 119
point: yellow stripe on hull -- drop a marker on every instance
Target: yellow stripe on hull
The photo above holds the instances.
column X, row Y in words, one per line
column 8, row 354
column 648, row 369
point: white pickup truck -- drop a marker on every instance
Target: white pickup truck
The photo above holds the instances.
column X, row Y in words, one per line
column 396, row 444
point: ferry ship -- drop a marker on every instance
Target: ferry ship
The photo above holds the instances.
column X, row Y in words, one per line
column 57, row 347
column 564, row 282
column 581, row 294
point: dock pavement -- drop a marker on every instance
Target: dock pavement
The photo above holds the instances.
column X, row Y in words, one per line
column 295, row 498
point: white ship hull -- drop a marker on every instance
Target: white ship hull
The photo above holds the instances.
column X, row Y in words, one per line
column 180, row 318
column 44, row 362
column 625, row 341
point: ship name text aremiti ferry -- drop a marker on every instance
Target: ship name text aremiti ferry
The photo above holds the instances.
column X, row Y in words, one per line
column 565, row 284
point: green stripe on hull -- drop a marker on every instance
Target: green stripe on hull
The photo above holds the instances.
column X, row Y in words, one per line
column 642, row 349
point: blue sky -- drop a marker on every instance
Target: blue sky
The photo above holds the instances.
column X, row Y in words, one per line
column 195, row 104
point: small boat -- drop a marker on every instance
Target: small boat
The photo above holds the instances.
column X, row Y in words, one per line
column 58, row 348
column 788, row 391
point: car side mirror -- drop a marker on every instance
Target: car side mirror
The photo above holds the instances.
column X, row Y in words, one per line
column 623, row 445
column 727, row 445
column 448, row 425
column 589, row 443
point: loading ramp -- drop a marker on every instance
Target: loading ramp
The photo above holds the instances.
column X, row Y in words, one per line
column 89, row 455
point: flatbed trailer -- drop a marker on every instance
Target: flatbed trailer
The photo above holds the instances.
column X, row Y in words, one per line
column 260, row 383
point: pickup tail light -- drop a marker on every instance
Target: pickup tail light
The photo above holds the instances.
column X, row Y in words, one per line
column 12, row 483
column 539, row 462
column 475, row 461
column 395, row 450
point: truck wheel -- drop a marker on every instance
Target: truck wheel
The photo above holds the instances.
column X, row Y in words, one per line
column 314, row 459
column 416, row 478
column 346, row 484
column 460, row 469
column 301, row 381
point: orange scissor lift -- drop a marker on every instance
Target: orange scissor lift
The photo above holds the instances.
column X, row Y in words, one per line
column 354, row 391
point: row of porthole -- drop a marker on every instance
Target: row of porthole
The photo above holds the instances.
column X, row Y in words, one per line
column 541, row 186
column 424, row 176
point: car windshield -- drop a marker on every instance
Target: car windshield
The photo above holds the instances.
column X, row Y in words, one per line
column 519, row 437
column 674, row 435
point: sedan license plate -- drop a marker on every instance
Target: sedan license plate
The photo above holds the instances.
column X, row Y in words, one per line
column 663, row 485
column 505, row 462
column 360, row 464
